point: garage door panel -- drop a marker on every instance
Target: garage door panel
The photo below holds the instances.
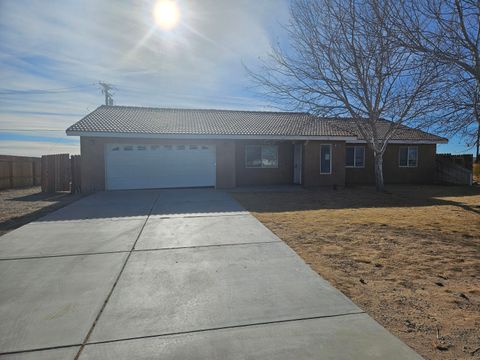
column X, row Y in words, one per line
column 155, row 166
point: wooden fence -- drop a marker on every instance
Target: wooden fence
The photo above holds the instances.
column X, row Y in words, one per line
column 454, row 169
column 463, row 160
column 61, row 172
column 56, row 173
column 76, row 169
column 19, row 171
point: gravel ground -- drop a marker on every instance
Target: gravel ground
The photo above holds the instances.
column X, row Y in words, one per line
column 21, row 206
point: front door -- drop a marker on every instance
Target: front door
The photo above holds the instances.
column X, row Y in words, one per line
column 297, row 163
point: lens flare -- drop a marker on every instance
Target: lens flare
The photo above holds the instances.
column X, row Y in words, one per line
column 166, row 14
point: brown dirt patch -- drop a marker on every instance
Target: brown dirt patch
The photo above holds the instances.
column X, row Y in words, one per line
column 21, row 206
column 411, row 258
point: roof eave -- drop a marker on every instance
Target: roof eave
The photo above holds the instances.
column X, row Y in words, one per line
column 209, row 136
column 419, row 142
column 348, row 139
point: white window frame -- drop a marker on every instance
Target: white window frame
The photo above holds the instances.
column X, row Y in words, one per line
column 355, row 156
column 261, row 155
column 331, row 159
column 408, row 154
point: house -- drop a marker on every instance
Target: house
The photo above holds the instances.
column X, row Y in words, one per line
column 125, row 147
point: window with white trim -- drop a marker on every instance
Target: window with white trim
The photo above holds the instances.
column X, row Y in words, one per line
column 408, row 156
column 355, row 156
column 325, row 159
column 261, row 156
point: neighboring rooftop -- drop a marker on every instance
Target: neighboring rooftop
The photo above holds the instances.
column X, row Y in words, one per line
column 165, row 121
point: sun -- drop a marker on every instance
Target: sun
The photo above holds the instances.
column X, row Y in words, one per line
column 166, row 14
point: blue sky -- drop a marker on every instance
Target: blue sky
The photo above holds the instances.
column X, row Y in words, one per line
column 53, row 53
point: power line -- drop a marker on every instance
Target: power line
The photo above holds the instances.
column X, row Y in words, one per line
column 106, row 90
column 27, row 130
column 43, row 91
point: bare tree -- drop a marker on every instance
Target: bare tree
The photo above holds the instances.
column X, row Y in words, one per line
column 340, row 61
column 447, row 32
column 460, row 104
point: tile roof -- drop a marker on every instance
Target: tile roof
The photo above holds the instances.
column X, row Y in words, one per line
column 165, row 121
column 402, row 133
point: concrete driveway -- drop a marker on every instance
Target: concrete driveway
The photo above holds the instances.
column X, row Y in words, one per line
column 171, row 274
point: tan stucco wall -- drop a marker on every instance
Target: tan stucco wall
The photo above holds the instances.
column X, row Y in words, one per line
column 282, row 175
column 93, row 164
column 311, row 164
column 231, row 170
column 225, row 167
column 393, row 174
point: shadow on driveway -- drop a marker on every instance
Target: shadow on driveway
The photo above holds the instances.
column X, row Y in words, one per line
column 361, row 197
column 156, row 203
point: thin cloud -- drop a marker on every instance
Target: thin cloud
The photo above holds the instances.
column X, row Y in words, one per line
column 66, row 44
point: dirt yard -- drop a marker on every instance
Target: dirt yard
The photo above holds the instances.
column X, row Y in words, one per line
column 410, row 258
column 20, row 206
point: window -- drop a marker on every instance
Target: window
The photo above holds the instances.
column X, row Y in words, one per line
column 128, row 148
column 355, row 156
column 154, row 147
column 167, row 147
column 408, row 156
column 193, row 147
column 180, row 147
column 141, row 148
column 204, row 147
column 116, row 148
column 261, row 156
column 326, row 159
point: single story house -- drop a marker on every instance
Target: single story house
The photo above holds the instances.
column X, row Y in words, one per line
column 124, row 147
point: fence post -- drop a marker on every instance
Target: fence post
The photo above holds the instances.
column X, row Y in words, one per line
column 10, row 170
column 76, row 174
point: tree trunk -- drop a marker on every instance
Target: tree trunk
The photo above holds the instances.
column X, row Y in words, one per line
column 477, row 159
column 378, row 157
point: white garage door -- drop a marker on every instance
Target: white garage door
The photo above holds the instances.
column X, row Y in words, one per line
column 136, row 166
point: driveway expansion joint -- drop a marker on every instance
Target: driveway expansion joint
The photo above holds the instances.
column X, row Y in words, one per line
column 39, row 349
column 85, row 341
column 65, row 255
column 197, row 215
column 209, row 246
column 226, row 327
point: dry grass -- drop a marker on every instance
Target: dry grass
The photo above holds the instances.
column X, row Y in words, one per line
column 20, row 206
column 476, row 173
column 410, row 258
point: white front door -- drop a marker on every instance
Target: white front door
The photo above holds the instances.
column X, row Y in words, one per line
column 297, row 163
column 148, row 166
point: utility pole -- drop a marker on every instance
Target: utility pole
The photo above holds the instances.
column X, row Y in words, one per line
column 106, row 90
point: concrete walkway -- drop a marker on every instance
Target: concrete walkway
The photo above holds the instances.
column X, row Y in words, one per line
column 171, row 274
